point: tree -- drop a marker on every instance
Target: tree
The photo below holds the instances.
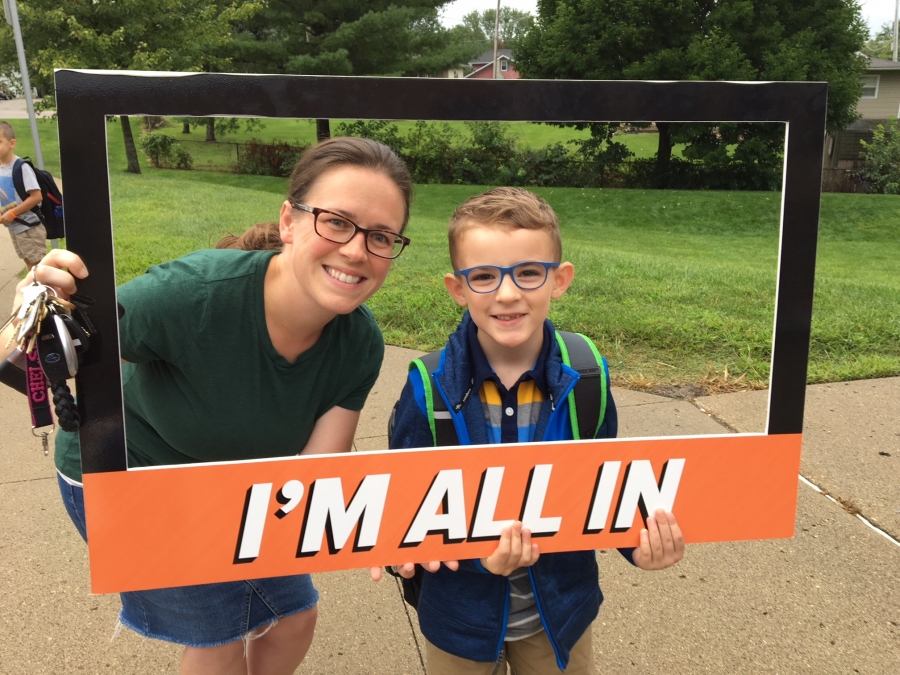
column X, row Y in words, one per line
column 124, row 35
column 705, row 40
column 348, row 37
column 514, row 23
column 881, row 46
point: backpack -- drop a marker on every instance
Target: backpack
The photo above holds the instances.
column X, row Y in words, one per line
column 578, row 352
column 50, row 210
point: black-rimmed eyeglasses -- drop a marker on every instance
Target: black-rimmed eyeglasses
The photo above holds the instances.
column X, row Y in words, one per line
column 340, row 229
column 528, row 276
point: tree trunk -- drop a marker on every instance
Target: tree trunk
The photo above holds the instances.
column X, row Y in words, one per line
column 323, row 130
column 663, row 154
column 185, row 127
column 130, row 149
column 211, row 129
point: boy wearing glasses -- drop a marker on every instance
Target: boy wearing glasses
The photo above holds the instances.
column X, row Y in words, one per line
column 503, row 379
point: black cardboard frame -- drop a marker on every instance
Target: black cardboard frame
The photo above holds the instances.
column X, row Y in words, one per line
column 85, row 99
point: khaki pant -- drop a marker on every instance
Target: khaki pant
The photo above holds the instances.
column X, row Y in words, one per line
column 31, row 245
column 532, row 656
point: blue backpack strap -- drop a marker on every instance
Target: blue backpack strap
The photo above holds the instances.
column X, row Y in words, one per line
column 19, row 186
column 442, row 430
column 587, row 400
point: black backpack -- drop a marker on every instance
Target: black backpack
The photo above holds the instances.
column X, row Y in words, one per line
column 50, row 210
column 578, row 352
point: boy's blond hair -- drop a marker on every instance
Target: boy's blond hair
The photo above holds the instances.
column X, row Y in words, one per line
column 508, row 207
column 7, row 130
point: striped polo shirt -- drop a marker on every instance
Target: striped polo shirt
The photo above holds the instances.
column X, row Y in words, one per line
column 511, row 417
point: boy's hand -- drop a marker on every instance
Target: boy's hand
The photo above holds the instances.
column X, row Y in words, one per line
column 515, row 550
column 408, row 570
column 662, row 544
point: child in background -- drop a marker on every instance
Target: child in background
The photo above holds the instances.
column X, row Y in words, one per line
column 27, row 232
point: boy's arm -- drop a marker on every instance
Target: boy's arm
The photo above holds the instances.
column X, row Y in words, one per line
column 34, row 198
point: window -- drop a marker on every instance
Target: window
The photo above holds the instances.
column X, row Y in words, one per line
column 869, row 86
column 456, row 73
column 504, row 65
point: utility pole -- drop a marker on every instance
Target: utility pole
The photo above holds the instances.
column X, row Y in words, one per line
column 11, row 11
column 894, row 41
column 497, row 39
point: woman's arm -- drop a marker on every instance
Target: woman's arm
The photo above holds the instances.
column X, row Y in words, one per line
column 333, row 432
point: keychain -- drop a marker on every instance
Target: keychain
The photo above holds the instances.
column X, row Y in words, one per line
column 52, row 343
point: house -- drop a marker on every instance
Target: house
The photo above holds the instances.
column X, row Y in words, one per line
column 483, row 66
column 880, row 101
column 456, row 72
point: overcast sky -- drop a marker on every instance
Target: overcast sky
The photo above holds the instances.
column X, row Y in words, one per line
column 875, row 12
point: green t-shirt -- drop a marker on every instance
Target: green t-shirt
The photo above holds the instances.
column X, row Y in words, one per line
column 203, row 381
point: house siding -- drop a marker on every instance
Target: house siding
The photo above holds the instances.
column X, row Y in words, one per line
column 888, row 102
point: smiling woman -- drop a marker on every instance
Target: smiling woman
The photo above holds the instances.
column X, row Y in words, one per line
column 284, row 320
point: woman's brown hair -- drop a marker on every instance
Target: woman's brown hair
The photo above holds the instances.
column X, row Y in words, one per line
column 349, row 151
column 260, row 237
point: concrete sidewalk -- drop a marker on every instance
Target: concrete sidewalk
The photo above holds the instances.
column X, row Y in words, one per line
column 16, row 109
column 827, row 601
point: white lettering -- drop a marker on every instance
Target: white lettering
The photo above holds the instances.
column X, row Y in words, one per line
column 326, row 514
column 446, row 490
column 603, row 495
column 254, row 522
column 641, row 490
column 534, row 503
column 484, row 526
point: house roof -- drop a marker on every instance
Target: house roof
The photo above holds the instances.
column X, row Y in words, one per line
column 488, row 56
column 882, row 64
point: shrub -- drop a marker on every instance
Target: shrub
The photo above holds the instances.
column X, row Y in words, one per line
column 165, row 152
column 376, row 130
column 431, row 152
column 268, row 159
column 882, row 155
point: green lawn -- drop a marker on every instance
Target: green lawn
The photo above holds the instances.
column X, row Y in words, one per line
column 675, row 287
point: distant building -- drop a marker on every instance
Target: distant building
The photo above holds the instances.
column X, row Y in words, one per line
column 879, row 102
column 455, row 73
column 483, row 66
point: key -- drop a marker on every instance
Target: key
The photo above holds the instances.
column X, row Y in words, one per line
column 31, row 312
column 44, row 443
column 30, row 339
column 29, row 293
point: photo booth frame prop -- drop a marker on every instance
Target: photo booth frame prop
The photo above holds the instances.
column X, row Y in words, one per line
column 169, row 526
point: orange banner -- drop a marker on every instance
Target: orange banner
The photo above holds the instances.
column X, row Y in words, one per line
column 175, row 526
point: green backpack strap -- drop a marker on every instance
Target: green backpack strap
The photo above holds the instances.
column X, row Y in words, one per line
column 442, row 430
column 580, row 354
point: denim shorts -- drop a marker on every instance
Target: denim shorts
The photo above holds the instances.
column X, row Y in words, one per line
column 207, row 615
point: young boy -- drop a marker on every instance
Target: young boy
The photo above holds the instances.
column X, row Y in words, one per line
column 503, row 379
column 27, row 232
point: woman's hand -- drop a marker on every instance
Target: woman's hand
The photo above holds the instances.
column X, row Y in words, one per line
column 408, row 570
column 59, row 269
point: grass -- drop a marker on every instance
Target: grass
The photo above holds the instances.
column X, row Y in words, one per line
column 675, row 287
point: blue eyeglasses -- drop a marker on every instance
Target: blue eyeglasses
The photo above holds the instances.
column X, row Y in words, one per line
column 528, row 276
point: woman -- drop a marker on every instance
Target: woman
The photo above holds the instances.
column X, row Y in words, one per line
column 248, row 354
